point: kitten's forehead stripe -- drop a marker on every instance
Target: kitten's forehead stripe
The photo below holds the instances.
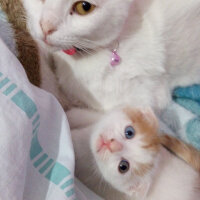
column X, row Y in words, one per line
column 144, row 127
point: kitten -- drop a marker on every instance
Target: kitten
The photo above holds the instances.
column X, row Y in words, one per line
column 128, row 153
column 158, row 42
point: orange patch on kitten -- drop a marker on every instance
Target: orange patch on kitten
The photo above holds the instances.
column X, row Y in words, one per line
column 185, row 151
column 145, row 124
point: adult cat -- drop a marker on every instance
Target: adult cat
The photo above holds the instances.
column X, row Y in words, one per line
column 157, row 40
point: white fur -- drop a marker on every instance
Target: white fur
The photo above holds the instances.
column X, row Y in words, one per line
column 159, row 47
column 171, row 178
column 174, row 180
column 158, row 43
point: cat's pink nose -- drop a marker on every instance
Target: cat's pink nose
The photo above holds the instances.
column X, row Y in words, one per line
column 111, row 145
column 47, row 27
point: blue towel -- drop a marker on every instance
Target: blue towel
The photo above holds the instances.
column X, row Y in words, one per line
column 183, row 115
column 189, row 99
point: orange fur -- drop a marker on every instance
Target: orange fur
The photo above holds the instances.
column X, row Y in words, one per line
column 185, row 151
column 145, row 124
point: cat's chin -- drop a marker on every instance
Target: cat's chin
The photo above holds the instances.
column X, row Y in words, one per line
column 51, row 48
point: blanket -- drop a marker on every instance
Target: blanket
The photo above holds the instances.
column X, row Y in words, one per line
column 182, row 116
column 36, row 151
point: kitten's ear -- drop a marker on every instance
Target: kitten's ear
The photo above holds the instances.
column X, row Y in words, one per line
column 149, row 115
column 142, row 114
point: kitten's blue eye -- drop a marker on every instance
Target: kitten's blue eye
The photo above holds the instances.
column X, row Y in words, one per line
column 123, row 166
column 129, row 132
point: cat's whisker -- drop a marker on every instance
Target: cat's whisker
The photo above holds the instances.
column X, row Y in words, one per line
column 84, row 49
column 87, row 51
column 81, row 54
column 84, row 44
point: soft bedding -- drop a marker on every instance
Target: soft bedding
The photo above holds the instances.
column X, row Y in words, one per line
column 182, row 117
column 36, row 152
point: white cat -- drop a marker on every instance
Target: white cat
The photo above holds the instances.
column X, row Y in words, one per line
column 158, row 42
column 127, row 150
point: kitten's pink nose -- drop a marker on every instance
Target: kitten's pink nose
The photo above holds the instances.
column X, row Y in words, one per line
column 115, row 146
column 111, row 145
column 47, row 27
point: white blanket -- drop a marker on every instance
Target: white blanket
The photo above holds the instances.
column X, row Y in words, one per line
column 36, row 152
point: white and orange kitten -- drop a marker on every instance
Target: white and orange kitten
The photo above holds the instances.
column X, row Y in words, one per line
column 129, row 155
column 158, row 42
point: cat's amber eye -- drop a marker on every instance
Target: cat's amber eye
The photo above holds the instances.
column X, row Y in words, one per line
column 83, row 7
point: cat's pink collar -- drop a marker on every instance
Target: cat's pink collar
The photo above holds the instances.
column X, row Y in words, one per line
column 115, row 59
column 70, row 52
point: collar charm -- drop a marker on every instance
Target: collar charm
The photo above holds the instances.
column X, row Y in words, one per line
column 115, row 60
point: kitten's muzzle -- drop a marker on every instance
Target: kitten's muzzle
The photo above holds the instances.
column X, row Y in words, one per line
column 111, row 145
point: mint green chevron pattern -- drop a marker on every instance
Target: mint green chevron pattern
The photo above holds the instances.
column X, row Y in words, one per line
column 50, row 169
